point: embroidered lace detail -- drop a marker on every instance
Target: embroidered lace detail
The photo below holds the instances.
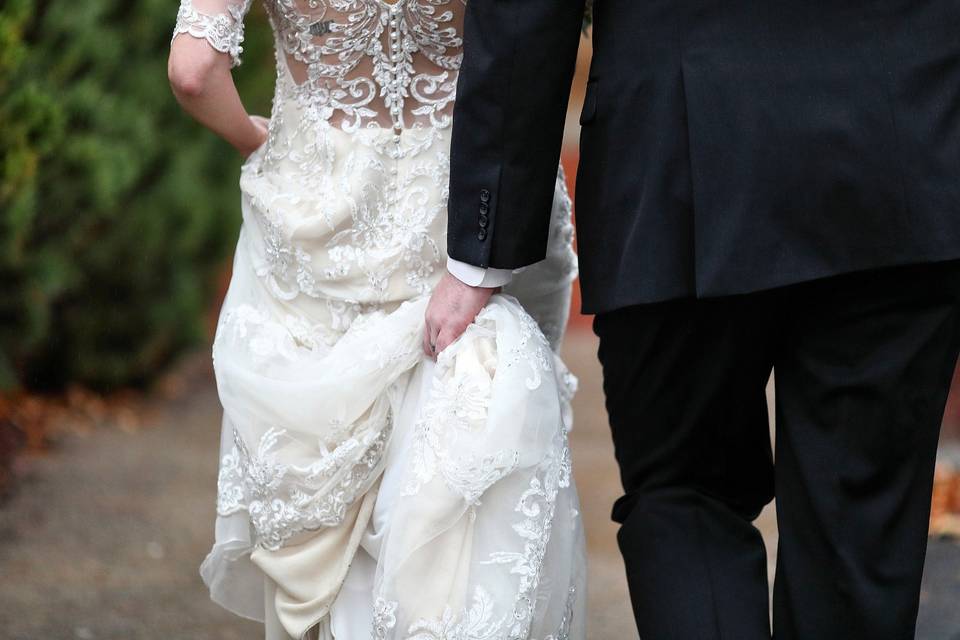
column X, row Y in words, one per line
column 475, row 623
column 267, row 338
column 400, row 220
column 458, row 404
column 288, row 268
column 224, row 31
column 560, row 246
column 384, row 618
column 537, row 507
column 381, row 233
column 283, row 499
column 362, row 61
column 539, row 360
column 563, row 633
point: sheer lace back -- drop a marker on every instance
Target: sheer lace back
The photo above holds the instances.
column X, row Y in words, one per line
column 392, row 63
column 362, row 61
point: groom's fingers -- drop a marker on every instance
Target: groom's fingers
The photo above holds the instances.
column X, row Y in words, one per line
column 426, row 341
column 451, row 331
column 445, row 338
column 431, row 335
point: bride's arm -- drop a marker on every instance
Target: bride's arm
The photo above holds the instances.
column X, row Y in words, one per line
column 206, row 44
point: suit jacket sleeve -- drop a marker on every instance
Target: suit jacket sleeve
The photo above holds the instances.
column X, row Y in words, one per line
column 512, row 93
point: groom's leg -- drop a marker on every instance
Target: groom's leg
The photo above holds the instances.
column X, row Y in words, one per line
column 861, row 384
column 684, row 384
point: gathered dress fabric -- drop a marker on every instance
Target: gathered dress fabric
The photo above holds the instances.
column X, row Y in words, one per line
column 364, row 490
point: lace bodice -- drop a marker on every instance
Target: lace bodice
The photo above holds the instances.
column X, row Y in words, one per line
column 352, row 62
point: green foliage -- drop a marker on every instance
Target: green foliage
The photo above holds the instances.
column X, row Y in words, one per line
column 116, row 210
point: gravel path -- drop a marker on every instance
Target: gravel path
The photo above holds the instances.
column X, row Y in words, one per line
column 105, row 535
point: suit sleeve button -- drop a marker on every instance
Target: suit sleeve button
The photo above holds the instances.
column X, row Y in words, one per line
column 482, row 235
column 484, row 207
column 483, row 221
column 484, row 195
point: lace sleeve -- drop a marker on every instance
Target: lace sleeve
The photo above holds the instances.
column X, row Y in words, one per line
column 219, row 22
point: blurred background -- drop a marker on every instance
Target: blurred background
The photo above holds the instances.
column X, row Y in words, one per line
column 118, row 216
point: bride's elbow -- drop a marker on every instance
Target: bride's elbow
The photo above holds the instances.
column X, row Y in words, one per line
column 189, row 74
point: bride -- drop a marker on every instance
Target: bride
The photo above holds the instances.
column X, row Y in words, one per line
column 366, row 490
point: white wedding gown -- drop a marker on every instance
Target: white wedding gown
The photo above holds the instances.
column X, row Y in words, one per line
column 364, row 490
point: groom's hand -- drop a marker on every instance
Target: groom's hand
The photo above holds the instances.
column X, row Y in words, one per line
column 453, row 306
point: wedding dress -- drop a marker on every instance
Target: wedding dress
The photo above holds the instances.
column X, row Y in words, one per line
column 365, row 491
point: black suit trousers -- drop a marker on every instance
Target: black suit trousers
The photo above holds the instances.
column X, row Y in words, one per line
column 862, row 365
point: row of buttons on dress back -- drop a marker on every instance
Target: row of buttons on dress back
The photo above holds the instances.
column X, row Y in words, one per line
column 394, row 90
column 484, row 219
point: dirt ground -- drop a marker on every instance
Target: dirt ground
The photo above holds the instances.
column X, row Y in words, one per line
column 104, row 537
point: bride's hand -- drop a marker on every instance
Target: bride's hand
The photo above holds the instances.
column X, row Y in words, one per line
column 453, row 306
column 261, row 128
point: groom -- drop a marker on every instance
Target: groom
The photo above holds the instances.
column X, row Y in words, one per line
column 763, row 185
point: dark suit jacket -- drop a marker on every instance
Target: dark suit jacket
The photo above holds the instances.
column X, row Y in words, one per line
column 728, row 146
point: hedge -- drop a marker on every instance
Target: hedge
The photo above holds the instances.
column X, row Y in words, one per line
column 117, row 212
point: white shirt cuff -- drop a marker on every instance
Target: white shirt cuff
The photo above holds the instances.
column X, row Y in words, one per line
column 478, row 276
